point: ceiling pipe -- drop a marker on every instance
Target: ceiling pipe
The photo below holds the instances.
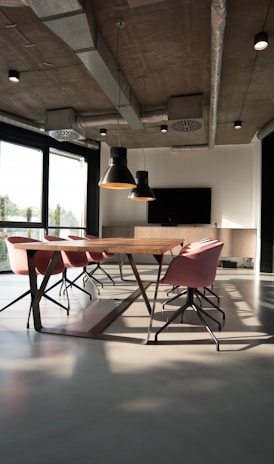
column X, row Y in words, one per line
column 218, row 21
column 265, row 131
column 92, row 144
column 188, row 147
column 84, row 121
column 8, row 118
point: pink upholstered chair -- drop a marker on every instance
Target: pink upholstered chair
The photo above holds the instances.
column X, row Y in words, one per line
column 71, row 259
column 194, row 269
column 185, row 249
column 105, row 256
column 93, row 258
column 19, row 265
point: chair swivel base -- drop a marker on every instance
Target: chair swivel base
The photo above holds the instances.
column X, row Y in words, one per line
column 100, row 268
column 200, row 313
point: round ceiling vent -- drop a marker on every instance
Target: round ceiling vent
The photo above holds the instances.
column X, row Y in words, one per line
column 186, row 125
column 65, row 135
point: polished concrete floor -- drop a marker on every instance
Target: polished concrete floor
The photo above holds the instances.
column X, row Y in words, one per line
column 77, row 400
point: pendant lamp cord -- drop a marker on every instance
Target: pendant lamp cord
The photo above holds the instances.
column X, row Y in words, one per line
column 267, row 13
column 144, row 81
column 253, row 65
column 120, row 24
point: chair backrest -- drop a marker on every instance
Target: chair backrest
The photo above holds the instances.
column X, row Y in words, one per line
column 70, row 258
column 198, row 243
column 92, row 237
column 93, row 257
column 195, row 268
column 19, row 260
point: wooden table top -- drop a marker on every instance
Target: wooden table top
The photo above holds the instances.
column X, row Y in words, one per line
column 151, row 246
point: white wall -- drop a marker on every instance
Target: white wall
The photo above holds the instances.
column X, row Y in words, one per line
column 233, row 173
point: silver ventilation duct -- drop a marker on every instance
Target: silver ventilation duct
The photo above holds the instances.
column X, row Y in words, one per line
column 182, row 110
column 265, row 131
column 218, row 21
column 8, row 118
column 188, row 147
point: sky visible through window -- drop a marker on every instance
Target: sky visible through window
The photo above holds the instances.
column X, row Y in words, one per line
column 21, row 180
column 67, row 185
column 21, row 177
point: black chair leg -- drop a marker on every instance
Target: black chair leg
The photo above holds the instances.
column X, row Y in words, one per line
column 15, row 301
column 172, row 318
column 198, row 312
column 86, row 277
column 73, row 284
column 209, row 290
column 89, row 275
column 57, row 302
column 105, row 272
column 29, row 312
column 211, row 303
column 191, row 292
column 172, row 289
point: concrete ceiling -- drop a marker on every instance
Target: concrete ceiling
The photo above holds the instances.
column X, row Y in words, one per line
column 131, row 66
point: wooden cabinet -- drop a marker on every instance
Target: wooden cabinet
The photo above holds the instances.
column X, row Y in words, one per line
column 238, row 243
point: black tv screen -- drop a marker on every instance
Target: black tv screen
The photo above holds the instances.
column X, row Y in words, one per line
column 180, row 206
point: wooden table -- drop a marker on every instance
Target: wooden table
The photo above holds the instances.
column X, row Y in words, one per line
column 128, row 246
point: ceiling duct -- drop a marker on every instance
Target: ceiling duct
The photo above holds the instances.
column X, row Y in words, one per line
column 185, row 113
column 218, row 23
column 61, row 125
column 265, row 131
column 156, row 116
column 188, row 147
column 66, row 19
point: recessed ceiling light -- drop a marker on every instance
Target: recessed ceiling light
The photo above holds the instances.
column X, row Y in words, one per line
column 164, row 128
column 14, row 76
column 238, row 124
column 261, row 41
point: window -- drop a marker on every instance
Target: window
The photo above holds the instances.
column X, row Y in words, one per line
column 45, row 186
column 67, row 191
column 20, row 183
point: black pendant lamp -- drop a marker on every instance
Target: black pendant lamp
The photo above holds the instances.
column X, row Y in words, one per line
column 143, row 191
column 117, row 175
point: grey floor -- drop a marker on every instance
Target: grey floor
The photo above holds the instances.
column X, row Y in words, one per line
column 76, row 400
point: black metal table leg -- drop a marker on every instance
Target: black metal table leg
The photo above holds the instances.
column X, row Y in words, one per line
column 36, row 294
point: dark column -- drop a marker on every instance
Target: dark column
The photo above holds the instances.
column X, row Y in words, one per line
column 93, row 160
column 267, row 204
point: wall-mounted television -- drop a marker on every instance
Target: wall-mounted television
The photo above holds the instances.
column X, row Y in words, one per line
column 180, row 206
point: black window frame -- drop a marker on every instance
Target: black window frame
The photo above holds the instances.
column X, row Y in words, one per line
column 32, row 139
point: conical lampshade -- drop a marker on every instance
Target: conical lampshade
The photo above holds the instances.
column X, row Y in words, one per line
column 117, row 175
column 142, row 192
